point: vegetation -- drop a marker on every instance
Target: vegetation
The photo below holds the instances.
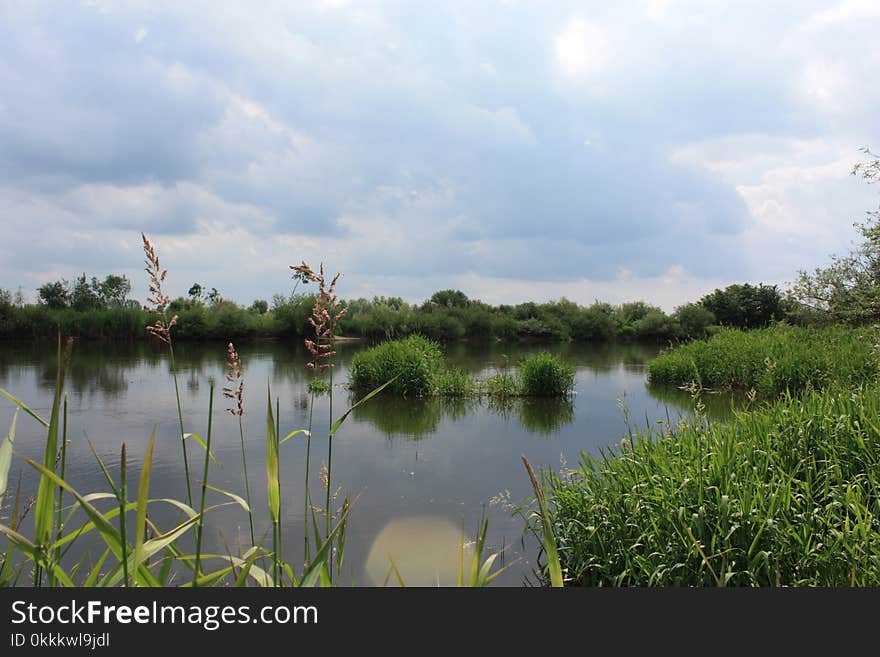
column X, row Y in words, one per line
column 772, row 360
column 98, row 310
column 413, row 362
column 545, row 375
column 785, row 495
column 417, row 368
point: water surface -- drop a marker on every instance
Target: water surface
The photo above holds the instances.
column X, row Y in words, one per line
column 417, row 468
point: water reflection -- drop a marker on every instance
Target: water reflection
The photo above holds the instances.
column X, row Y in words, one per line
column 412, row 418
column 425, row 551
column 717, row 405
column 538, row 415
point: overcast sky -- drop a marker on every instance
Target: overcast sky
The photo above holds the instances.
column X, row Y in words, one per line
column 516, row 150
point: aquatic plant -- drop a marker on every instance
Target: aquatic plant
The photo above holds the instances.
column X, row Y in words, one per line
column 771, row 360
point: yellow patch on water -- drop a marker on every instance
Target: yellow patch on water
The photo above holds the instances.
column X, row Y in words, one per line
column 425, row 550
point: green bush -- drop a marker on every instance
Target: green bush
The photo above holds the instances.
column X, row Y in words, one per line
column 414, row 360
column 545, row 375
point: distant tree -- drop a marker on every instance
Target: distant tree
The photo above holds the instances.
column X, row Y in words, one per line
column 450, row 299
column 214, row 298
column 632, row 312
column 84, row 295
column 195, row 292
column 54, row 295
column 745, row 306
column 260, row 307
column 114, row 291
column 18, row 299
column 694, row 319
column 5, row 298
column 527, row 310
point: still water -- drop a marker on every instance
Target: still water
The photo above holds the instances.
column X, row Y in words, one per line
column 417, row 468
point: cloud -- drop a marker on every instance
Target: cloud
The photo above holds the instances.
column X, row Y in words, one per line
column 581, row 48
column 524, row 147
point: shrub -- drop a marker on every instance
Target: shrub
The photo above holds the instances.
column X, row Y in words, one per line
column 545, row 375
column 414, row 360
column 694, row 318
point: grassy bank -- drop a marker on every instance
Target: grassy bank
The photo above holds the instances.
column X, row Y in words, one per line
column 416, row 367
column 771, row 360
column 788, row 494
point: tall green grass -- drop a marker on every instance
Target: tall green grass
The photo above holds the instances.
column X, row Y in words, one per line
column 784, row 495
column 545, row 375
column 771, row 360
column 413, row 362
column 419, row 369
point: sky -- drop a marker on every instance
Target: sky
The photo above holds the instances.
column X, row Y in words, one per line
column 516, row 150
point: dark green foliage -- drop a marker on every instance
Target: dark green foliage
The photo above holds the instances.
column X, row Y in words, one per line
column 771, row 360
column 786, row 495
column 54, row 295
column 596, row 323
column 86, row 295
column 745, row 306
column 290, row 314
column 694, row 320
column 448, row 316
column 260, row 307
column 450, row 299
column 195, row 292
column 545, row 375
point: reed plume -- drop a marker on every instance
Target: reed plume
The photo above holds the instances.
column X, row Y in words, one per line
column 234, row 391
column 158, row 302
column 326, row 314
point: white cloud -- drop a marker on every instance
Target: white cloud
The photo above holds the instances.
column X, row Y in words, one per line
column 581, row 48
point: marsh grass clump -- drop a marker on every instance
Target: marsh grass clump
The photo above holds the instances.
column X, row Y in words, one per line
column 503, row 384
column 418, row 368
column 771, row 360
column 545, row 375
column 413, row 362
column 785, row 495
column 454, row 382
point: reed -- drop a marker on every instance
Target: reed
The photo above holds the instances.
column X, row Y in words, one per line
column 234, row 390
column 158, row 305
column 771, row 361
column 786, row 494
